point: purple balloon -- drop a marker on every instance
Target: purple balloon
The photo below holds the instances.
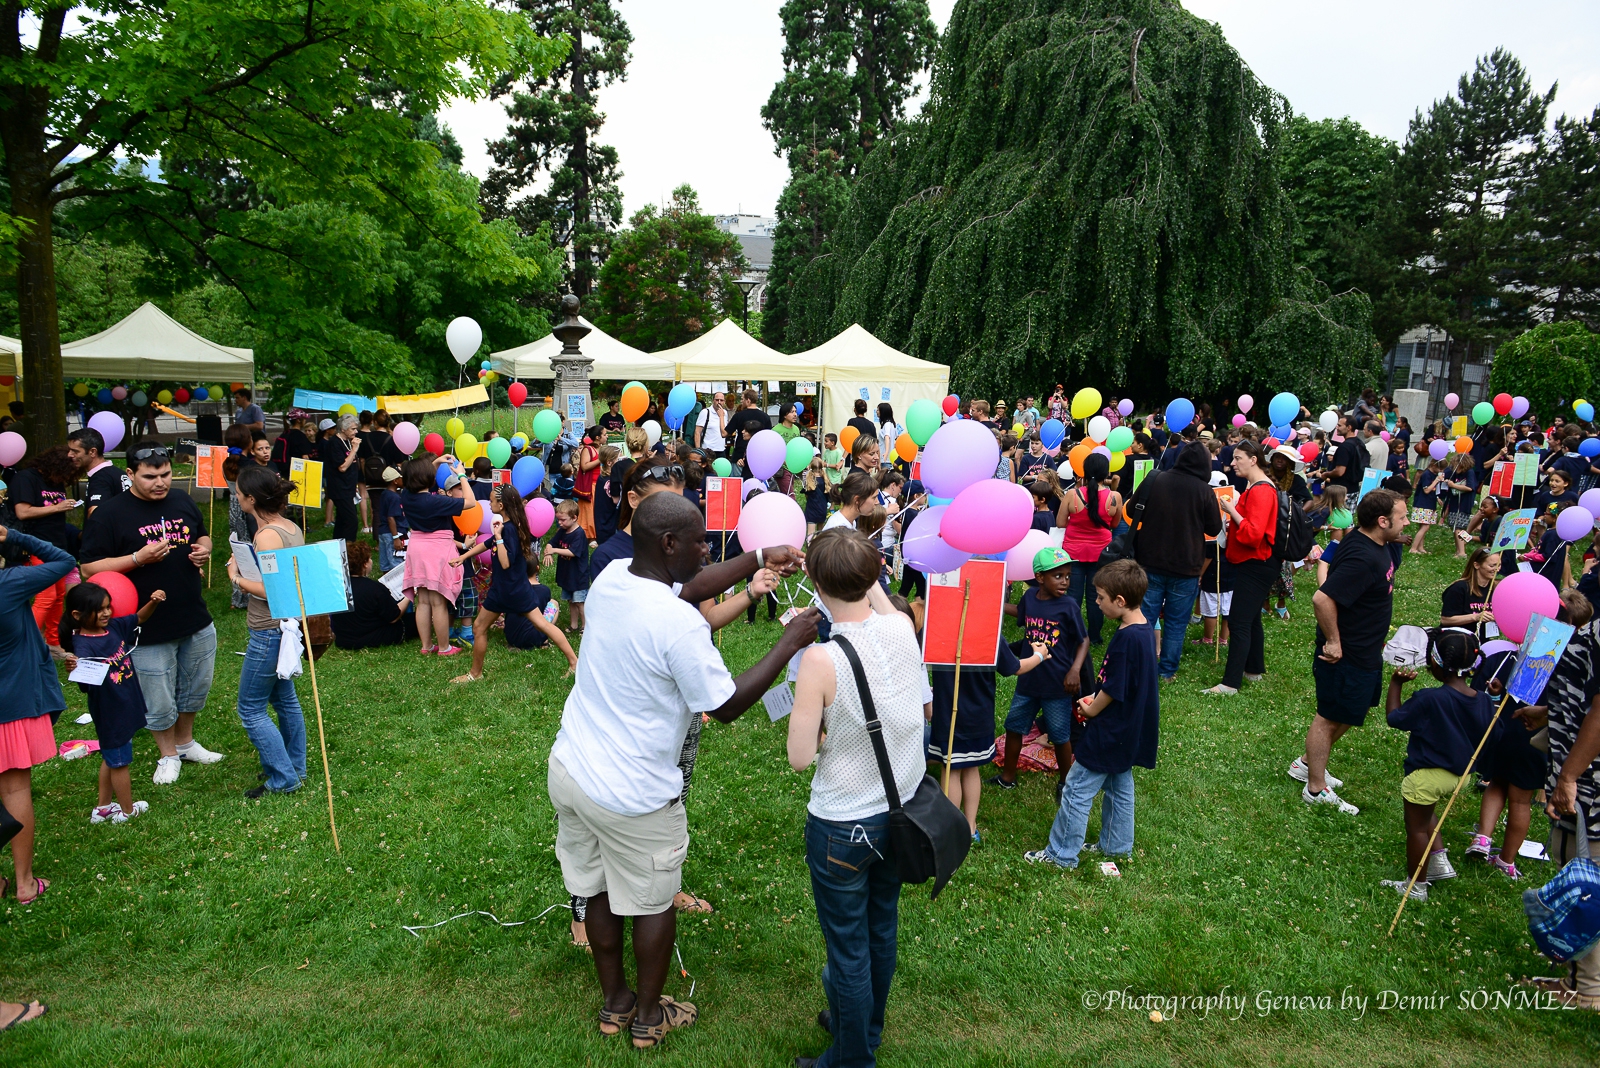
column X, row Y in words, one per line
column 1496, row 647
column 1439, row 448
column 766, row 453
column 750, row 486
column 1519, row 407
column 109, row 425
column 1591, row 501
column 1574, row 523
column 1124, row 407
column 925, row 550
column 959, row 453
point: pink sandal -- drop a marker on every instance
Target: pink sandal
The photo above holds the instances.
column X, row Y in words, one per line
column 430, row 650
column 450, row 650
column 39, row 887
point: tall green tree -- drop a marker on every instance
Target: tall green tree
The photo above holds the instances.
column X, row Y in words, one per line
column 1462, row 169
column 1552, row 365
column 1559, row 209
column 850, row 66
column 278, row 92
column 1093, row 190
column 550, row 143
column 669, row 279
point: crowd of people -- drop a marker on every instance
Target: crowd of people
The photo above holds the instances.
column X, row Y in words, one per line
column 1210, row 523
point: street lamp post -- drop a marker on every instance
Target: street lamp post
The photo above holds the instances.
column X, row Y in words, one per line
column 745, row 286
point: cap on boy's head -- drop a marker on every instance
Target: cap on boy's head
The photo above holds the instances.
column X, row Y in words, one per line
column 326, row 424
column 1049, row 559
column 451, row 481
column 1219, row 479
column 389, row 474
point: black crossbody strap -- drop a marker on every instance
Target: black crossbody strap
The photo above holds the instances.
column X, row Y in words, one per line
column 874, row 727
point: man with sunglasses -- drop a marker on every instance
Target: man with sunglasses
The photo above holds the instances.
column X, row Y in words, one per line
column 156, row 536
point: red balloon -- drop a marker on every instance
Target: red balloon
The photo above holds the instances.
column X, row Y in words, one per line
column 434, row 443
column 181, row 395
column 124, row 598
column 1308, row 452
column 1502, row 404
column 8, row 380
column 951, row 403
column 516, row 393
column 1272, row 443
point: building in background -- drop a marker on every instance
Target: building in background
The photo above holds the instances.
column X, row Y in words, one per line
column 755, row 237
column 1421, row 360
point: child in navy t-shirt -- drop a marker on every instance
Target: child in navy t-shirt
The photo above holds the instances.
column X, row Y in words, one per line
column 1123, row 722
column 568, row 549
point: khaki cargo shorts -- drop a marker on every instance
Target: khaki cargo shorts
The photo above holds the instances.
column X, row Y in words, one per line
column 636, row 860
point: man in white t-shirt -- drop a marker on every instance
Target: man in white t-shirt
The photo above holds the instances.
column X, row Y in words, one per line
column 646, row 668
column 711, row 427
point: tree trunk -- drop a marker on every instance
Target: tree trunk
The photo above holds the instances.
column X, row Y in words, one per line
column 582, row 256
column 44, row 393
column 1458, row 370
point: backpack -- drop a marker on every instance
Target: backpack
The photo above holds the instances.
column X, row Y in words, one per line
column 1564, row 914
column 1296, row 534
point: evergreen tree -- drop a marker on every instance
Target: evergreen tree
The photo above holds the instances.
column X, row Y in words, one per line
column 1464, row 165
column 1093, row 190
column 849, row 68
column 551, row 140
column 1560, row 210
column 669, row 278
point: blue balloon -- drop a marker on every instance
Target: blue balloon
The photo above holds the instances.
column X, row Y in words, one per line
column 1283, row 408
column 527, row 475
column 1585, row 412
column 680, row 400
column 1180, row 413
column 674, row 419
column 1051, row 431
column 104, row 396
column 440, row 475
column 1590, row 447
column 1283, row 433
column 798, row 407
column 486, row 365
column 201, row 393
column 518, row 442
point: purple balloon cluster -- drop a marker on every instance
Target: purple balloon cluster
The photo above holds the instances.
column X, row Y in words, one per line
column 986, row 515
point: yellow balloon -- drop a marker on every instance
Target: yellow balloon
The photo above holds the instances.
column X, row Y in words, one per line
column 1085, row 402
column 1019, row 430
column 454, row 429
column 1119, row 460
column 466, row 446
column 347, row 409
column 80, row 390
column 165, row 396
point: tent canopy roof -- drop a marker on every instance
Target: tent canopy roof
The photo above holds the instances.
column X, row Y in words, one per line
column 10, row 356
column 150, row 344
column 612, row 359
column 856, row 353
column 726, row 351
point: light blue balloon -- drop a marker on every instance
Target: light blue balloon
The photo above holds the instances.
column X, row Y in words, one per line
column 680, row 400
column 441, row 475
column 527, row 475
column 1282, row 433
column 1283, row 408
column 139, row 399
column 1180, row 413
column 1585, row 412
column 1051, row 431
column 799, row 408
column 518, row 442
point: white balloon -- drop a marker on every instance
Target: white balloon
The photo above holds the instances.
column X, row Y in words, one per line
column 1328, row 422
column 1100, row 428
column 464, row 336
column 652, row 432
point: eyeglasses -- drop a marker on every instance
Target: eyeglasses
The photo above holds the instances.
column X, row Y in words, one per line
column 665, row 473
column 149, row 452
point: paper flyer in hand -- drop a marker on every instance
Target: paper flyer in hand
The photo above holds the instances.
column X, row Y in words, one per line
column 1141, row 468
column 1224, row 493
column 943, row 632
column 324, row 580
column 1371, row 479
column 208, row 460
column 244, row 558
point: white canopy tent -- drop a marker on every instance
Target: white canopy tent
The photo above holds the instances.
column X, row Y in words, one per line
column 10, row 356
column 857, row 366
column 151, row 345
column 727, row 352
column 613, row 360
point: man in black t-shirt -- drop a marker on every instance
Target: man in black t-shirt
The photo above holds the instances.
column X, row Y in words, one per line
column 106, row 479
column 156, row 536
column 1354, row 607
column 745, row 424
column 1349, row 461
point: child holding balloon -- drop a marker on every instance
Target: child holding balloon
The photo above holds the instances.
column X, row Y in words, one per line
column 568, row 550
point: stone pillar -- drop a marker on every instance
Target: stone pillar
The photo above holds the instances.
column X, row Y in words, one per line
column 1413, row 404
column 571, row 393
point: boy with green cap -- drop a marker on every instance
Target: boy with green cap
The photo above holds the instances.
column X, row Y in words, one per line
column 1049, row 616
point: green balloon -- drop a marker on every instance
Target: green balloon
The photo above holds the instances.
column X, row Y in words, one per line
column 1483, row 413
column 722, row 467
column 499, row 451
column 922, row 419
column 798, row 455
column 1120, row 440
column 546, row 425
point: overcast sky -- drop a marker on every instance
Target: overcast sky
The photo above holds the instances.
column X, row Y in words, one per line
column 690, row 110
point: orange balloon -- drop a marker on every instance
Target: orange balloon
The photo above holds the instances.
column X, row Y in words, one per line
column 906, row 448
column 470, row 519
column 847, row 437
column 1463, row 444
column 634, row 403
column 1079, row 453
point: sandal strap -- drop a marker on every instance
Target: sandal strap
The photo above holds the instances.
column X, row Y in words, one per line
column 678, row 1013
column 622, row 1021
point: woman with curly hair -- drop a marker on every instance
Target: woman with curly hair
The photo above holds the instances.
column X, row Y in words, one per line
column 40, row 493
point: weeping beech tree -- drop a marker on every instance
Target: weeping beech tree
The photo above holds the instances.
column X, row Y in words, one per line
column 1092, row 191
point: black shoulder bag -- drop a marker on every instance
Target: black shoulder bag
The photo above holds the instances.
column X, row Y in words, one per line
column 1126, row 546
column 929, row 837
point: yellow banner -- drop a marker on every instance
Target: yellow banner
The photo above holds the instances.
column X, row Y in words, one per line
column 307, row 478
column 434, row 402
column 1458, row 427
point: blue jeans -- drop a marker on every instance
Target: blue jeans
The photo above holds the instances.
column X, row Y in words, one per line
column 1081, row 589
column 857, row 896
column 282, row 746
column 1056, row 712
column 387, row 560
column 1170, row 599
column 1072, row 818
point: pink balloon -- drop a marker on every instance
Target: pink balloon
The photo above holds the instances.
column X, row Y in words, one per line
column 1518, row 597
column 1124, row 407
column 1238, row 420
column 407, row 437
column 771, row 519
column 109, row 426
column 1246, row 402
column 119, row 393
column 1384, row 434
column 1019, row 561
column 541, row 516
column 959, row 454
column 13, row 447
column 925, row 550
column 765, row 454
column 1450, row 402
column 988, row 517
column 483, row 558
column 1574, row 523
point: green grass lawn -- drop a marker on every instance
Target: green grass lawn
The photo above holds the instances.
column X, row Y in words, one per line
column 215, row 930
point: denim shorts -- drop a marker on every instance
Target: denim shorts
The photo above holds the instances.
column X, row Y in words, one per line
column 175, row 676
column 1055, row 711
column 120, row 757
column 575, row 596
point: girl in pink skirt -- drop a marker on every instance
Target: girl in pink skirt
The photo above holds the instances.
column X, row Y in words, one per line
column 431, row 503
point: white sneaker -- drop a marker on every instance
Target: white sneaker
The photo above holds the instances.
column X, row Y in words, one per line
column 1327, row 797
column 1439, row 866
column 1300, row 772
column 195, row 753
column 139, row 809
column 1419, row 892
column 167, row 769
column 104, row 813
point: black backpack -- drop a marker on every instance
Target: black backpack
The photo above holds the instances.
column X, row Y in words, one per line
column 1295, row 535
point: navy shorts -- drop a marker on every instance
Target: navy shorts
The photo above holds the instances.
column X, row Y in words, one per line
column 119, row 757
column 1345, row 693
column 1056, row 712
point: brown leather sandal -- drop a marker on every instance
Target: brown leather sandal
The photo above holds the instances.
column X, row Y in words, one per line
column 674, row 1016
column 614, row 1023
